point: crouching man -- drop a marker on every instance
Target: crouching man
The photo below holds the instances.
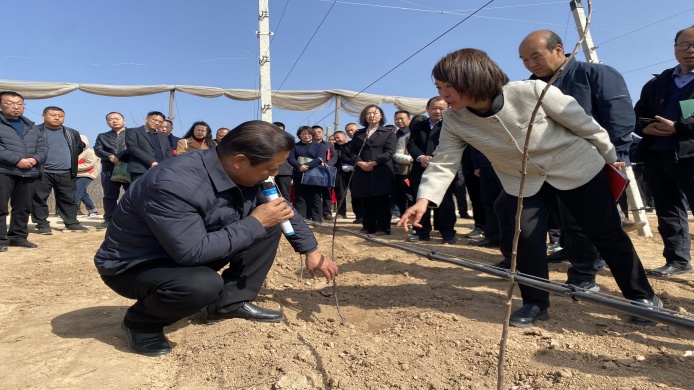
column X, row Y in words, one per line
column 181, row 223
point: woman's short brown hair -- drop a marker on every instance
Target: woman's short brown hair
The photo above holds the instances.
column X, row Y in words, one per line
column 471, row 73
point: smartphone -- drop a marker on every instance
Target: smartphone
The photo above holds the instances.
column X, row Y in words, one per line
column 643, row 122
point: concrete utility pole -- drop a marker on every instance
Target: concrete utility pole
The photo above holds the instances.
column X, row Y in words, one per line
column 263, row 34
column 632, row 190
column 589, row 48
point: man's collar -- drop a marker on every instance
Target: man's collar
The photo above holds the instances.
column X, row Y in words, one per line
column 678, row 69
column 213, row 166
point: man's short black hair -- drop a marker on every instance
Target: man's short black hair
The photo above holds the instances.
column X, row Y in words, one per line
column 280, row 125
column 314, row 127
column 52, row 108
column 257, row 140
column 401, row 112
column 10, row 93
column 152, row 113
column 169, row 120
column 115, row 112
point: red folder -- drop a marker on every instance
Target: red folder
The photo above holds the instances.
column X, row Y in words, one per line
column 617, row 180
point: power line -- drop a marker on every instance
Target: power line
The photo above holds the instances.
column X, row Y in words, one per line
column 306, row 47
column 644, row 27
column 277, row 28
column 413, row 54
column 648, row 66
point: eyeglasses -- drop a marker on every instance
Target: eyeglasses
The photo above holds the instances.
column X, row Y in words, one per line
column 683, row 46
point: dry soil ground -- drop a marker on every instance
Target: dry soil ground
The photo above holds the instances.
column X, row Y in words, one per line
column 411, row 323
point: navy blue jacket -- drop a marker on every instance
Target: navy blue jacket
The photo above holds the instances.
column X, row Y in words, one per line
column 317, row 151
column 603, row 94
column 13, row 149
column 187, row 211
column 652, row 103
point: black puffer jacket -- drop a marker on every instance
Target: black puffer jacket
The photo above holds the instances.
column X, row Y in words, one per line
column 13, row 148
column 74, row 142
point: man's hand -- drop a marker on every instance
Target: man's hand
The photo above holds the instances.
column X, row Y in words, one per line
column 424, row 160
column 619, row 165
column 114, row 159
column 25, row 163
column 414, row 214
column 272, row 213
column 154, row 164
column 662, row 128
column 315, row 261
column 303, row 168
column 366, row 166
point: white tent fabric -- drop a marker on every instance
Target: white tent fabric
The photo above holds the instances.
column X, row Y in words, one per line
column 287, row 100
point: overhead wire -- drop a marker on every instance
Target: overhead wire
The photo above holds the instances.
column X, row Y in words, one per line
column 644, row 27
column 306, row 47
column 411, row 56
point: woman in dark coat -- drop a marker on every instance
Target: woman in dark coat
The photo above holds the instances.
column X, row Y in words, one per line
column 373, row 169
column 306, row 155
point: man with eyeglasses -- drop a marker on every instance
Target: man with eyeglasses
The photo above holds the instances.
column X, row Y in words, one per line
column 148, row 146
column 24, row 149
column 665, row 120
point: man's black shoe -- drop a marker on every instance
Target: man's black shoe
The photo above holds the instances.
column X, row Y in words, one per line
column 417, row 238
column 503, row 264
column 45, row 230
column 465, row 216
column 556, row 257
column 76, row 227
column 655, row 303
column 670, row 270
column 583, row 285
column 103, row 225
column 526, row 316
column 358, row 220
column 148, row 344
column 449, row 241
column 485, row 243
column 3, row 248
column 247, row 311
column 23, row 244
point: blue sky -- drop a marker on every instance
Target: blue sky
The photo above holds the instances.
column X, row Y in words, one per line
column 213, row 43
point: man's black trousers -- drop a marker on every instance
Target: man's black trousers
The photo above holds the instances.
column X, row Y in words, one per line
column 17, row 192
column 167, row 292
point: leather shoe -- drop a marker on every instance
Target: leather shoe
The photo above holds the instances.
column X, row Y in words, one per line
column 23, row 244
column 3, row 248
column 381, row 233
column 449, row 241
column 526, row 316
column 417, row 238
column 485, row 243
column 247, row 311
column 654, row 303
column 670, row 270
column 148, row 344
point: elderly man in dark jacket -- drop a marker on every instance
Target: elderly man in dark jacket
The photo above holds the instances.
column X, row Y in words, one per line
column 667, row 151
column 59, row 172
column 147, row 145
column 22, row 150
column 192, row 216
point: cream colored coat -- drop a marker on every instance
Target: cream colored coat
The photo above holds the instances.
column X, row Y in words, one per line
column 567, row 147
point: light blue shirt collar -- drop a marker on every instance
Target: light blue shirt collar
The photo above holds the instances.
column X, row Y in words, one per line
column 682, row 79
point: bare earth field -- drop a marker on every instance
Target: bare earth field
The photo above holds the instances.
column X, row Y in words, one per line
column 411, row 323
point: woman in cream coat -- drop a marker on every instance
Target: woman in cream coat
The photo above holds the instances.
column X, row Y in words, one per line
column 567, row 154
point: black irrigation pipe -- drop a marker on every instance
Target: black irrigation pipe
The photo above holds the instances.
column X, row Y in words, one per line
column 617, row 304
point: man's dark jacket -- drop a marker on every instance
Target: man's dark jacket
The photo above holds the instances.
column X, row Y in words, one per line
column 423, row 141
column 603, row 94
column 652, row 103
column 74, row 143
column 187, row 211
column 13, row 148
column 106, row 144
column 141, row 149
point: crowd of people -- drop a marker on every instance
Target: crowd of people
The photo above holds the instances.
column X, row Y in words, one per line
column 184, row 218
